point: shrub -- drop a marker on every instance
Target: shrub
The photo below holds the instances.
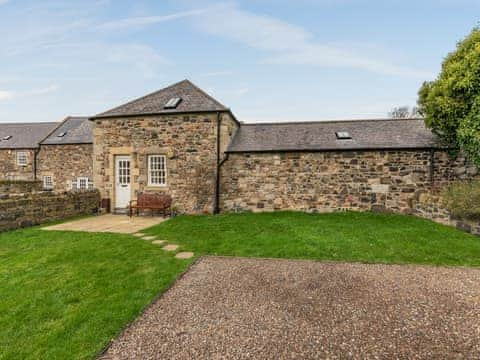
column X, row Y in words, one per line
column 462, row 199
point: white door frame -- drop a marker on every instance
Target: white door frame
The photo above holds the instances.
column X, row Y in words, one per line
column 123, row 167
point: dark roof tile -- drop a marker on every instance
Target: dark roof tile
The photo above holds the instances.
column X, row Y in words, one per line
column 317, row 136
column 77, row 130
column 193, row 100
column 24, row 135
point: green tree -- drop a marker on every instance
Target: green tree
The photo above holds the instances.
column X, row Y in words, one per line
column 451, row 103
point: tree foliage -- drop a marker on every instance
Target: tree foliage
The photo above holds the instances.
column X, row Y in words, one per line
column 451, row 103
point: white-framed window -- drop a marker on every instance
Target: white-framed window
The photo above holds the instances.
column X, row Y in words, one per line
column 157, row 170
column 48, row 182
column 84, row 183
column 22, row 159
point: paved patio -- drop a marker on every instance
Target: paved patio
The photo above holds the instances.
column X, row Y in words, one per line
column 234, row 308
column 109, row 223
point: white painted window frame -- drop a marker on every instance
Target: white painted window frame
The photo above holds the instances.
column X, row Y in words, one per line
column 88, row 183
column 152, row 176
column 48, row 185
column 22, row 155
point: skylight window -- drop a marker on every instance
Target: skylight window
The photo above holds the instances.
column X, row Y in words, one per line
column 8, row 137
column 62, row 134
column 343, row 135
column 172, row 103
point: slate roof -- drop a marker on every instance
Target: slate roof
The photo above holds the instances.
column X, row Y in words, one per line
column 193, row 100
column 320, row 136
column 24, row 135
column 77, row 130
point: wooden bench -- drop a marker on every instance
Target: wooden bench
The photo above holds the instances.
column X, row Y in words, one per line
column 153, row 202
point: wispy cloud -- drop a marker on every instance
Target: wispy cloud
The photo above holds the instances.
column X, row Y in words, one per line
column 143, row 58
column 216, row 73
column 241, row 91
column 5, row 95
column 138, row 22
column 3, row 2
column 285, row 43
column 8, row 94
column 41, row 91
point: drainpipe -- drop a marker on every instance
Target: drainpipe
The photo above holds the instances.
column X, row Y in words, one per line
column 432, row 167
column 216, row 209
column 35, row 156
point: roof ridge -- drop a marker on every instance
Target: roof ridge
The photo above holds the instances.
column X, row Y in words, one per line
column 328, row 121
column 144, row 96
column 31, row 123
column 206, row 94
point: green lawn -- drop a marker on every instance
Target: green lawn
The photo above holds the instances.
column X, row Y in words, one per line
column 65, row 295
column 349, row 236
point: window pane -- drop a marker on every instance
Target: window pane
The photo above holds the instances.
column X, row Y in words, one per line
column 157, row 170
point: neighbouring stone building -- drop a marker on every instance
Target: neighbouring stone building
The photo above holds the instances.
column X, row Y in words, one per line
column 57, row 154
column 19, row 145
column 335, row 165
column 65, row 157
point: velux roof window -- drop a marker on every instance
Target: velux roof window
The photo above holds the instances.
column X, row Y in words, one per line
column 343, row 135
column 62, row 134
column 8, row 137
column 173, row 103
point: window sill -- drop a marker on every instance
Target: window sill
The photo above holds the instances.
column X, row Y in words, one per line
column 156, row 187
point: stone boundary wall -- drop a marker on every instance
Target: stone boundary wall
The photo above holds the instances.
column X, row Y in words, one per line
column 19, row 187
column 431, row 207
column 27, row 209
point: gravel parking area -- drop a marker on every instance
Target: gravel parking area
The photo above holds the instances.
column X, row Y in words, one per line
column 239, row 308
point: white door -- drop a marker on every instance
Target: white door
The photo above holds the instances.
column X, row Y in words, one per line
column 122, row 181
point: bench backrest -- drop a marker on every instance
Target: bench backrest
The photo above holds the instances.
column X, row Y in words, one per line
column 156, row 200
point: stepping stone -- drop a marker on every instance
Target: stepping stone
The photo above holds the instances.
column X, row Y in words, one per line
column 149, row 238
column 170, row 247
column 139, row 234
column 158, row 242
column 184, row 255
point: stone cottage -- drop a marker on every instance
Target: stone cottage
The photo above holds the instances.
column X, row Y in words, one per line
column 170, row 141
column 181, row 141
column 19, row 144
column 65, row 156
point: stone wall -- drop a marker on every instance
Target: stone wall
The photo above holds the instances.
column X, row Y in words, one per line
column 430, row 206
column 188, row 141
column 9, row 168
column 65, row 163
column 8, row 187
column 337, row 180
column 23, row 210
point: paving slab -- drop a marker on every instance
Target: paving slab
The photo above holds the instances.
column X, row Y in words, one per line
column 108, row 223
column 184, row 255
column 170, row 247
column 149, row 238
column 233, row 308
column 158, row 242
column 139, row 234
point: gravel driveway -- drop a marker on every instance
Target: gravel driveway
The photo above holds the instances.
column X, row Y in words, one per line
column 280, row 309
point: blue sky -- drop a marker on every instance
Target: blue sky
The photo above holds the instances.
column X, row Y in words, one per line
column 268, row 60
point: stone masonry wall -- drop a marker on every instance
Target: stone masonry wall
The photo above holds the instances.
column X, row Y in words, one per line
column 188, row 141
column 330, row 181
column 23, row 210
column 65, row 163
column 8, row 187
column 431, row 207
column 9, row 168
